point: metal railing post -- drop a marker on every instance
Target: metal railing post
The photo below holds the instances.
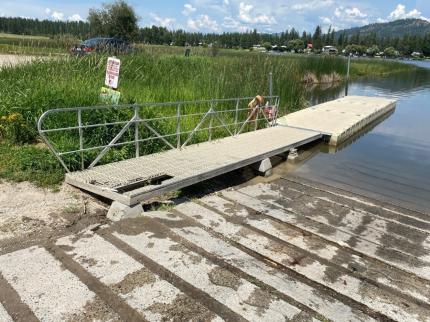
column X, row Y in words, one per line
column 136, row 130
column 178, row 126
column 211, row 121
column 270, row 87
column 81, row 138
column 236, row 116
column 256, row 117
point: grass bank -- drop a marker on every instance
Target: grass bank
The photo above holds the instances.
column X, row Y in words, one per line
column 377, row 67
column 29, row 90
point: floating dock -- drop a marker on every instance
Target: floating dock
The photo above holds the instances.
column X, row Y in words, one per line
column 133, row 181
column 340, row 119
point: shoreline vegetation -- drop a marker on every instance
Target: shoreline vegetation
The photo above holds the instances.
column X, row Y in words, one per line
column 152, row 75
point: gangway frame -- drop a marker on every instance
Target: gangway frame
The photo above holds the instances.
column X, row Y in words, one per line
column 267, row 112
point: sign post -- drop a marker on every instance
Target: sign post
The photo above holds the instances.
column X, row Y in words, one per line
column 110, row 94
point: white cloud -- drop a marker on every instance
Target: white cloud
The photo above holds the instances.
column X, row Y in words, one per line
column 349, row 13
column 352, row 15
column 57, row 15
column 400, row 13
column 234, row 24
column 163, row 22
column 188, row 9
column 75, row 17
column 203, row 22
column 355, row 13
column 247, row 14
column 326, row 20
column 311, row 5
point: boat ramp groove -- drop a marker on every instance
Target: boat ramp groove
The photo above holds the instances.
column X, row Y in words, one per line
column 287, row 250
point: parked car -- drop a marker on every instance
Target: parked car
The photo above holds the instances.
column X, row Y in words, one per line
column 110, row 45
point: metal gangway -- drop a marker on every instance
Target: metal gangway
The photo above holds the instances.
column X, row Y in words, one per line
column 131, row 153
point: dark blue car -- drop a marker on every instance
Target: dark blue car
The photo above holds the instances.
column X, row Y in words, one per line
column 110, row 45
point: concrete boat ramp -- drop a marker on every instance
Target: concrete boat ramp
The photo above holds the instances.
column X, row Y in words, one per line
column 132, row 181
column 286, row 250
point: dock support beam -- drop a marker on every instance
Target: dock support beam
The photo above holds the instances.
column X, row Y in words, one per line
column 118, row 211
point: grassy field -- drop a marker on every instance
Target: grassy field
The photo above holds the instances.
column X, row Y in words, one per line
column 35, row 45
column 152, row 75
column 21, row 37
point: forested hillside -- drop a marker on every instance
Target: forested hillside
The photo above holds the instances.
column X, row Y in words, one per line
column 392, row 29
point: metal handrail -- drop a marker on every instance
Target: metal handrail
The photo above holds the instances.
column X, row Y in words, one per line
column 138, row 123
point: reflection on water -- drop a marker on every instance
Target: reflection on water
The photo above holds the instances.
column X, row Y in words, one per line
column 392, row 160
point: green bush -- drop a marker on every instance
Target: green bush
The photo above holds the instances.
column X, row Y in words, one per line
column 15, row 129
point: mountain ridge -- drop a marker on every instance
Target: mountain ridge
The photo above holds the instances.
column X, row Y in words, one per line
column 392, row 29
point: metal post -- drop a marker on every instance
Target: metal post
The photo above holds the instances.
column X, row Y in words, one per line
column 257, row 111
column 236, row 117
column 136, row 130
column 347, row 75
column 211, row 122
column 270, row 87
column 81, row 138
column 178, row 126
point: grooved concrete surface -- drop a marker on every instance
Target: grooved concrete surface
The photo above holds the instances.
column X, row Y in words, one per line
column 288, row 250
column 341, row 118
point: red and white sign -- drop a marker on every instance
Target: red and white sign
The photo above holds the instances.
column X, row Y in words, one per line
column 112, row 72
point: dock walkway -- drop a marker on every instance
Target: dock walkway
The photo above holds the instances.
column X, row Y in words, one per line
column 132, row 181
column 193, row 164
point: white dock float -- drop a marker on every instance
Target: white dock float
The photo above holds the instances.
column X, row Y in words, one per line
column 132, row 181
column 341, row 118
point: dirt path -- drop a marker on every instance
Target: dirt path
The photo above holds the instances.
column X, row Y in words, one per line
column 26, row 210
column 13, row 60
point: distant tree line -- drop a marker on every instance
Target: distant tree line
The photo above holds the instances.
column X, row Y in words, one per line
column 110, row 21
column 35, row 27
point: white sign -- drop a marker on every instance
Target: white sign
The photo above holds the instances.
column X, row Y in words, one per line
column 112, row 72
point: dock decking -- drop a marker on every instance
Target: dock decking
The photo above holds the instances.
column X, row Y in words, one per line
column 188, row 166
column 132, row 181
column 288, row 250
column 341, row 118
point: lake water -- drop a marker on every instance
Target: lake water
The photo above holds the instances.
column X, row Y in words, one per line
column 391, row 161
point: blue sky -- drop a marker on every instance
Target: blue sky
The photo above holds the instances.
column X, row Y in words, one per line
column 234, row 15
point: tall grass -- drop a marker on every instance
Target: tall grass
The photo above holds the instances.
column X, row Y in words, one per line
column 151, row 75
